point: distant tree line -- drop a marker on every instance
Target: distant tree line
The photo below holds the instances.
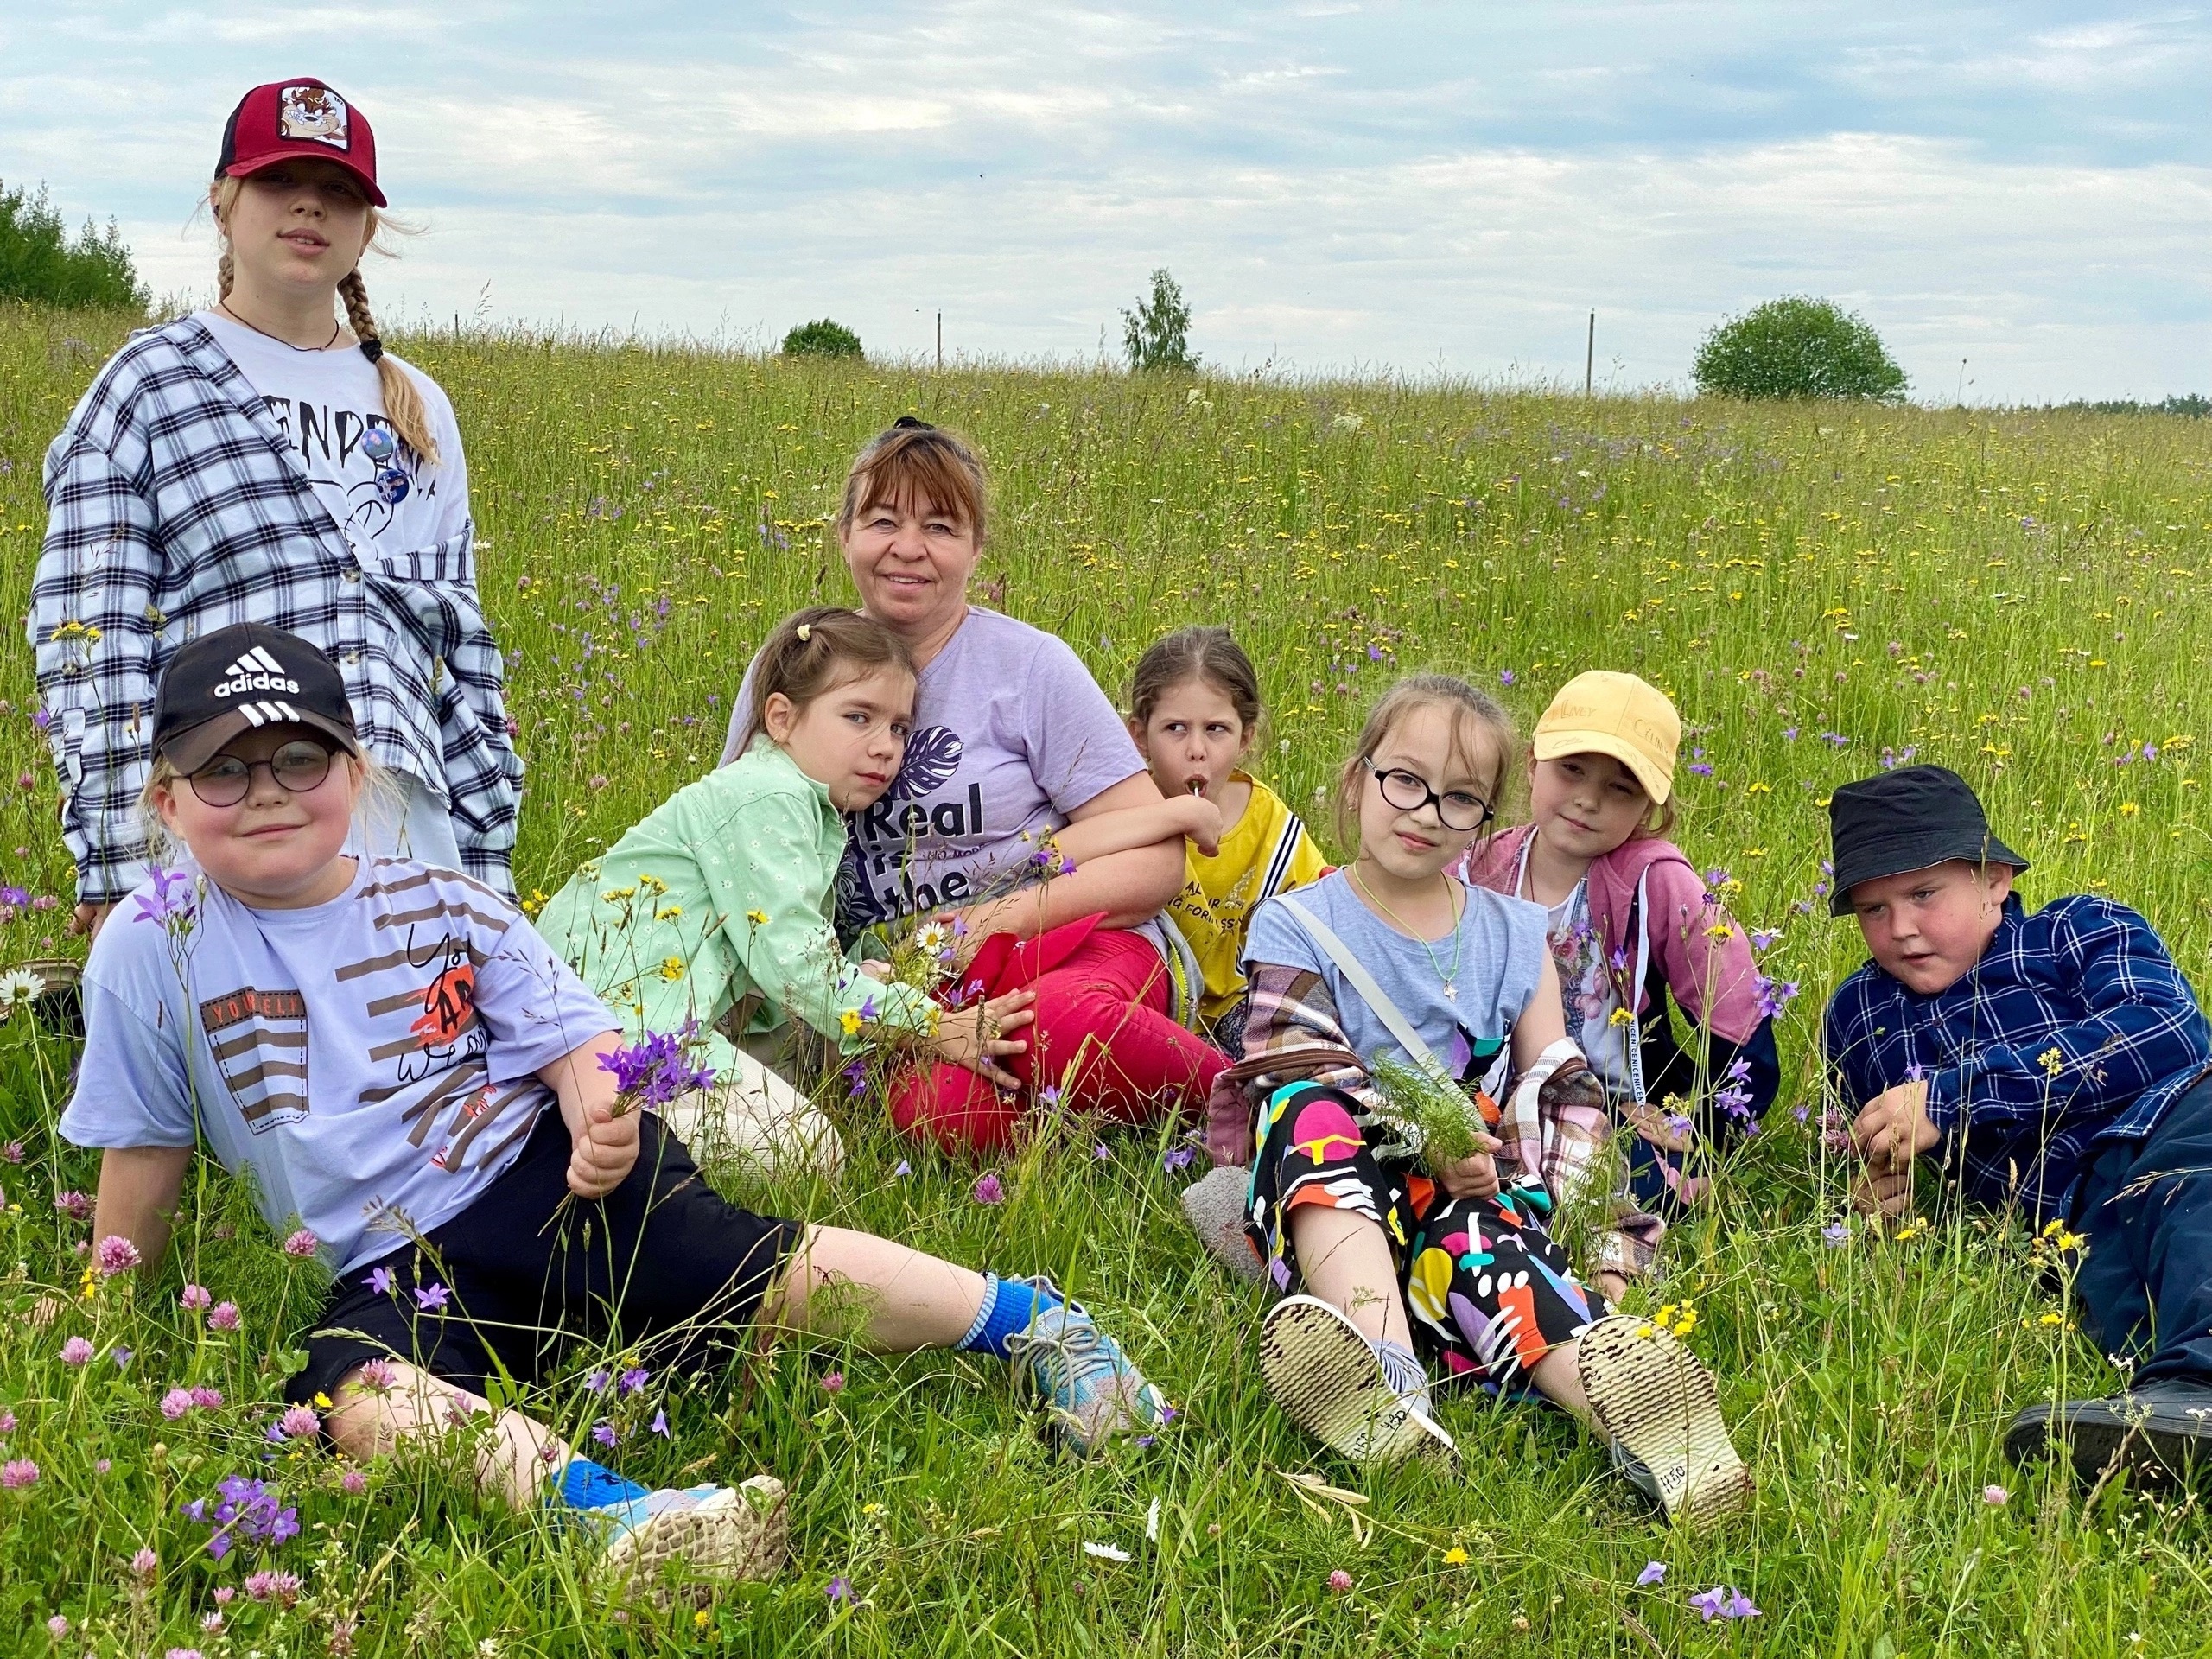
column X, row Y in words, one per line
column 39, row 260
column 2195, row 406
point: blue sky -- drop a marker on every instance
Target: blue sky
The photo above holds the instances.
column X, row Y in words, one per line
column 1415, row 188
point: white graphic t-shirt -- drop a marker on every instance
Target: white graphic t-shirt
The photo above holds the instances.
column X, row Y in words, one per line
column 1586, row 989
column 328, row 402
column 376, row 1053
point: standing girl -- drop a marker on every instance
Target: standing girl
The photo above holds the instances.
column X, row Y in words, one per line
column 445, row 1112
column 719, row 902
column 1194, row 711
column 268, row 460
column 1630, row 923
column 1382, row 1195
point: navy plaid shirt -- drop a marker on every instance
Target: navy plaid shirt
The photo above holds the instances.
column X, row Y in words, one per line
column 177, row 506
column 2076, row 1026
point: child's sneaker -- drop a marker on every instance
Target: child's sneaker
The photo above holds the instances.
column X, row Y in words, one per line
column 1089, row 1386
column 1659, row 1406
column 718, row 1532
column 1328, row 1380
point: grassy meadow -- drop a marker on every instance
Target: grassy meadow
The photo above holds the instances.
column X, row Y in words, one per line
column 2018, row 596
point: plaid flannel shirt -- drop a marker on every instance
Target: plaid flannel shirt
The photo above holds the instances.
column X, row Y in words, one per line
column 177, row 506
column 2076, row 1026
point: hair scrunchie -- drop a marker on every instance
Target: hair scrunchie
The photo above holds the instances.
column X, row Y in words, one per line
column 372, row 348
column 805, row 632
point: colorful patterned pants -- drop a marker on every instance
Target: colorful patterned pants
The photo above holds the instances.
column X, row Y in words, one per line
column 1489, row 1290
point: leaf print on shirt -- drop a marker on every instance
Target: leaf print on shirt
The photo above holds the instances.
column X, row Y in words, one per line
column 932, row 756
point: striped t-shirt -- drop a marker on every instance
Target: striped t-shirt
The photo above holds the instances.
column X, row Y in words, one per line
column 372, row 1061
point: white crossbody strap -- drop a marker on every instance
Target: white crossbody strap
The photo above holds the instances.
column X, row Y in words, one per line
column 1363, row 981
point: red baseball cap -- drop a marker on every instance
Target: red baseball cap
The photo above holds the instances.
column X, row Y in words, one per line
column 287, row 119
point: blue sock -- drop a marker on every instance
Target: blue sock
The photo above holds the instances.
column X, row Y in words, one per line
column 1009, row 1308
column 585, row 1485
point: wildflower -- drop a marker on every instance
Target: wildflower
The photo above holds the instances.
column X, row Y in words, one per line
column 1835, row 1233
column 101, row 1466
column 12, row 1153
column 849, row 1023
column 58, row 1626
column 116, row 1254
column 171, row 905
column 432, row 1296
column 841, row 1589
column 193, row 1298
column 1505, row 676
column 223, row 1316
column 833, row 1382
column 1178, row 1158
column 904, row 1170
column 182, row 1653
column 1339, row 1582
column 631, row 1381
column 212, row 1624
column 599, row 1381
column 75, row 1205
column 2052, row 1060
column 379, row 1280
column 302, row 1244
column 76, row 1351
column 989, row 1189
column 176, row 1403
column 1654, row 1573
column 1049, row 1098
column 18, row 1473
column 300, row 1423
column 856, row 1079
column 654, row 1072
column 758, row 917
column 144, row 1565
column 269, row 1585
column 342, row 1630
column 352, row 1482
column 1105, row 1552
column 603, row 1432
column 659, row 1426
column 1102, row 1152
column 121, row 1356
column 671, row 968
column 1722, row 1601
column 1455, row 1556
column 1996, row 1497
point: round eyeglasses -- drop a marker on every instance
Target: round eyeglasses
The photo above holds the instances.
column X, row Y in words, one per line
column 297, row 766
column 1408, row 792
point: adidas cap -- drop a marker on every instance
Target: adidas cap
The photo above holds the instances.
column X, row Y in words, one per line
column 245, row 676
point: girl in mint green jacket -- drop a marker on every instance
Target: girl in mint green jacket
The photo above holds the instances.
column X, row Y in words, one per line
column 721, row 898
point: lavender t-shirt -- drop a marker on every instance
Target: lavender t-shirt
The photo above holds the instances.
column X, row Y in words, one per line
column 1011, row 734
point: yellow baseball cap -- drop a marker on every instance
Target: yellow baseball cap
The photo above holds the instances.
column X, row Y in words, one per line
column 1604, row 713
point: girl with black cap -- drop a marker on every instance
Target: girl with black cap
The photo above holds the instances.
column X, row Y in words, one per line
column 268, row 460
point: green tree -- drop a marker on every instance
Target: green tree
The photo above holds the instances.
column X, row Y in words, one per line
column 1797, row 346
column 1157, row 335
column 38, row 262
column 822, row 339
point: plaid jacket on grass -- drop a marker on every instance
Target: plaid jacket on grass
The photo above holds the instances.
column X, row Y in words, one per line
column 2075, row 1027
column 177, row 505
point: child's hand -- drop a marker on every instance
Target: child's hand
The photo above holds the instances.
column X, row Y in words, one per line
column 1650, row 1124
column 1893, row 1129
column 1472, row 1177
column 604, row 1153
column 976, row 1039
column 1202, row 823
column 1888, row 1196
column 878, row 971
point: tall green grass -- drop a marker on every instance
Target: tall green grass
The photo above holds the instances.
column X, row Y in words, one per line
column 2016, row 596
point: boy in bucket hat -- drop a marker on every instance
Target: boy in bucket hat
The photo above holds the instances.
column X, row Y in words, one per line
column 2057, row 1060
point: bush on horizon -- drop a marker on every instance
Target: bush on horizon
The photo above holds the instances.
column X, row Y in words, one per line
column 38, row 260
column 1797, row 346
column 823, row 338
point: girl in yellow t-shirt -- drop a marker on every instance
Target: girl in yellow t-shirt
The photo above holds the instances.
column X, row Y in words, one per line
column 1194, row 711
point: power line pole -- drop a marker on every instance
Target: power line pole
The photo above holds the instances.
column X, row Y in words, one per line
column 1589, row 357
column 940, row 339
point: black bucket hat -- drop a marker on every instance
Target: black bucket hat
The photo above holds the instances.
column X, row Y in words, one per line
column 1907, row 820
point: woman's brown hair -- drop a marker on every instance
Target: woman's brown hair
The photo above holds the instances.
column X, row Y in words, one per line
column 1197, row 653
column 403, row 403
column 814, row 651
column 911, row 463
column 1478, row 719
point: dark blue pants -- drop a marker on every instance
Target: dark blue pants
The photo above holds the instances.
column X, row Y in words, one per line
column 2145, row 1207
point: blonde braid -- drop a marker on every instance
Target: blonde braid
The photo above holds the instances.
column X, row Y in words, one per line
column 403, row 404
column 224, row 269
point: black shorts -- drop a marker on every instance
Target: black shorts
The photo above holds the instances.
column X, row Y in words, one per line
column 662, row 1266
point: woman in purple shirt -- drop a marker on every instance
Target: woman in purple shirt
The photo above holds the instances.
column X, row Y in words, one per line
column 1017, row 769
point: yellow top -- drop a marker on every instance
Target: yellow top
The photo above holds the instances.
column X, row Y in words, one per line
column 1265, row 852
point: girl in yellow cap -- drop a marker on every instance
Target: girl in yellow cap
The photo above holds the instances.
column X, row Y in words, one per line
column 1631, row 923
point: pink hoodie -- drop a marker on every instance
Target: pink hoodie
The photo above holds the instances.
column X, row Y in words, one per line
column 1713, row 979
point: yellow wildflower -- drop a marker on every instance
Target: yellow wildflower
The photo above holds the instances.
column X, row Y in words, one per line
column 1621, row 1017
column 671, row 968
column 651, row 885
column 1455, row 1556
column 2052, row 1061
column 758, row 917
column 669, row 914
column 1721, row 931
column 849, row 1023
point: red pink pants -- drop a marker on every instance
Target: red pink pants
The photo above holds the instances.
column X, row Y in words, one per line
column 1103, row 1038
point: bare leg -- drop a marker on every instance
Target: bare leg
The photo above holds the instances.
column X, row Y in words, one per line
column 516, row 1462
column 1559, row 1380
column 892, row 1299
column 1345, row 1260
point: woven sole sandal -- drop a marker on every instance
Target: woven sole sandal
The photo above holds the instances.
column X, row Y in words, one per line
column 741, row 1532
column 1325, row 1375
column 1657, row 1403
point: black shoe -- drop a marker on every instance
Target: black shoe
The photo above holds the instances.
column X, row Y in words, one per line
column 2162, row 1431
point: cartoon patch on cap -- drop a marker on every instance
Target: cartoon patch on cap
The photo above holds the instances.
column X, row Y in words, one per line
column 315, row 113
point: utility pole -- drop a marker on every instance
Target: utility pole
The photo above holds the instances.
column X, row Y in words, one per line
column 940, row 339
column 1589, row 357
